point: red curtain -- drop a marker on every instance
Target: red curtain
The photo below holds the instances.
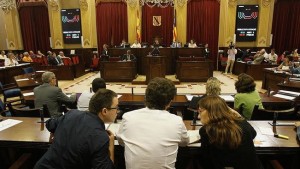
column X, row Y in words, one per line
column 34, row 22
column 164, row 31
column 286, row 25
column 112, row 25
column 203, row 24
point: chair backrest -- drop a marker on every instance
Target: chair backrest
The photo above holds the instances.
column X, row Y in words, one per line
column 28, row 70
column 75, row 59
column 223, row 60
column 67, row 61
column 23, row 112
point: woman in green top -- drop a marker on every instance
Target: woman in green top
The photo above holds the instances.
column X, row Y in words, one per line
column 247, row 97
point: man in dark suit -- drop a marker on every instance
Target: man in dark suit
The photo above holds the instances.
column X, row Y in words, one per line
column 128, row 56
column 52, row 96
column 206, row 51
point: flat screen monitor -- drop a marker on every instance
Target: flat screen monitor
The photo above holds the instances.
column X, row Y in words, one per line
column 246, row 23
column 71, row 26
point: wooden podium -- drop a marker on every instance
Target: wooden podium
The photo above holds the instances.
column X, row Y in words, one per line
column 155, row 67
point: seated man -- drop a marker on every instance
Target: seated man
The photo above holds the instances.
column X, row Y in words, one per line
column 52, row 96
column 85, row 97
column 176, row 44
column 151, row 135
column 136, row 44
column 80, row 139
column 124, row 44
column 128, row 56
column 53, row 59
column 295, row 69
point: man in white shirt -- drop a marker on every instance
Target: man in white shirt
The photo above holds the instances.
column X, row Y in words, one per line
column 85, row 97
column 151, row 135
column 272, row 57
column 136, row 44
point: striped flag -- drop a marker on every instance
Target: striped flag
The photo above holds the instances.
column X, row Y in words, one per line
column 174, row 27
column 138, row 30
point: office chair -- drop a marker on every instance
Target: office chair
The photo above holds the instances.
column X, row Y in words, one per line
column 10, row 91
column 23, row 112
column 4, row 112
column 28, row 70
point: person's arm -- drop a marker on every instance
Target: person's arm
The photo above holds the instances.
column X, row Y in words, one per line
column 52, row 123
column 184, row 136
column 250, row 128
column 64, row 98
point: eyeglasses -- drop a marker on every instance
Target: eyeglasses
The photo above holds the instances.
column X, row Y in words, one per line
column 117, row 108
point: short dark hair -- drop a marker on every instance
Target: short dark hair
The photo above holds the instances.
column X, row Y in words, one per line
column 159, row 93
column 103, row 98
column 98, row 83
column 245, row 84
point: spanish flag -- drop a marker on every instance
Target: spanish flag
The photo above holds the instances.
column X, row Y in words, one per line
column 138, row 27
column 174, row 27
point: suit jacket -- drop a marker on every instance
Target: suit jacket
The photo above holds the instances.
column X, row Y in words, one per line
column 125, row 57
column 53, row 97
column 52, row 61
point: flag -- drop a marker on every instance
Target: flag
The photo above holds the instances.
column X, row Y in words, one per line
column 138, row 30
column 174, row 27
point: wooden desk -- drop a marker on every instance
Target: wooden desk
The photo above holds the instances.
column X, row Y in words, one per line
column 31, row 134
column 118, row 71
column 33, row 80
column 27, row 134
column 7, row 73
column 269, row 143
column 253, row 70
column 271, row 79
column 289, row 85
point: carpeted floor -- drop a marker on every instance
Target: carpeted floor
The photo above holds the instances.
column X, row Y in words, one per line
column 84, row 83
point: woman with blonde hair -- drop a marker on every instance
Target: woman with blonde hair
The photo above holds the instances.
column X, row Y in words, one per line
column 226, row 137
column 213, row 87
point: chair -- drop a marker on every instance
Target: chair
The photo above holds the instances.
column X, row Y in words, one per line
column 95, row 63
column 23, row 112
column 28, row 70
column 3, row 111
column 10, row 91
column 67, row 61
column 223, row 60
column 75, row 60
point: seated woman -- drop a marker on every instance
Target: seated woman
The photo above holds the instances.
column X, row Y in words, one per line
column 26, row 57
column 213, row 87
column 11, row 60
column 226, row 137
column 192, row 44
column 285, row 65
column 247, row 97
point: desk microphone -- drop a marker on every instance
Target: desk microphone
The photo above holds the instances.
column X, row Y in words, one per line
column 194, row 122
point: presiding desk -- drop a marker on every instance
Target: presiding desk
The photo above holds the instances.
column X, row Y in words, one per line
column 171, row 56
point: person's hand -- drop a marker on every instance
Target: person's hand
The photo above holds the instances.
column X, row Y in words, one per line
column 111, row 136
column 297, row 124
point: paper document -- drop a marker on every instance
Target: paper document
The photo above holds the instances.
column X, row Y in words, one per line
column 113, row 127
column 194, row 136
column 28, row 94
column 8, row 123
column 284, row 97
column 22, row 79
column 227, row 98
column 119, row 95
column 290, row 93
column 40, row 71
column 266, row 131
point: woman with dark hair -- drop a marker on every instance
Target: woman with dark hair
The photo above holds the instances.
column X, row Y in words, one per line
column 247, row 97
column 226, row 137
